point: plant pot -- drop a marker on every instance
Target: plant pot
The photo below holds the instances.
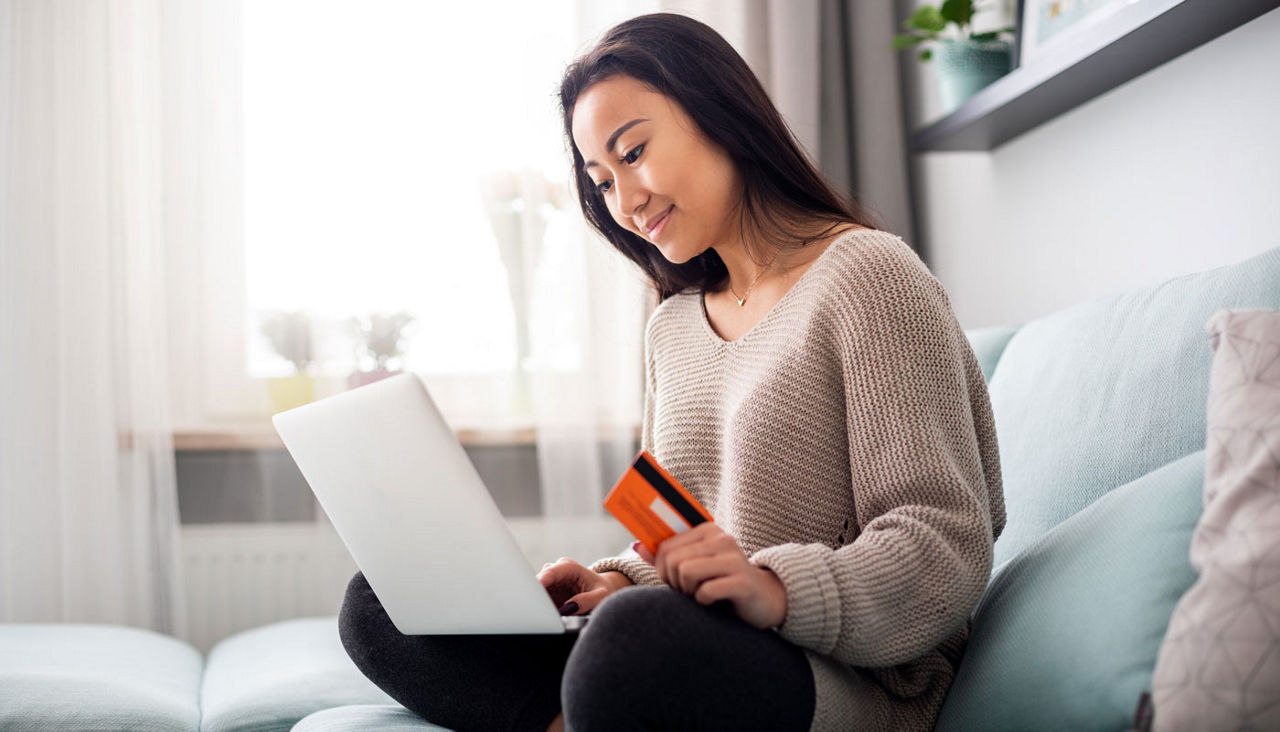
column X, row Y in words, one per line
column 965, row 67
column 287, row 392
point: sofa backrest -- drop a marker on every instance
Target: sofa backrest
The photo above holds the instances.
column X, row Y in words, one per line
column 1093, row 396
column 988, row 345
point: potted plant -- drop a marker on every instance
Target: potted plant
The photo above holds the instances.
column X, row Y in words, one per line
column 290, row 336
column 381, row 337
column 966, row 61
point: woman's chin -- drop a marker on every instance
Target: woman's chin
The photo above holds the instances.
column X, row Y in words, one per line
column 674, row 253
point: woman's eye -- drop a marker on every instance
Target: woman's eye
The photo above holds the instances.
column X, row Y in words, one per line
column 603, row 186
column 631, row 156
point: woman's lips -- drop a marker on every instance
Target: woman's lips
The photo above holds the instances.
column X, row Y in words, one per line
column 660, row 224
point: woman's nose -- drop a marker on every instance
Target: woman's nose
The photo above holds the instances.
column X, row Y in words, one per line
column 632, row 196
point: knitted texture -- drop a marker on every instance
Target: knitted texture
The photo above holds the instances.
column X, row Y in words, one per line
column 847, row 442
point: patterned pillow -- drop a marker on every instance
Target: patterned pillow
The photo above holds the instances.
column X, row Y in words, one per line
column 1219, row 663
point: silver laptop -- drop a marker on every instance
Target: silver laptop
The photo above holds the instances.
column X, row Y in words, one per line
column 414, row 514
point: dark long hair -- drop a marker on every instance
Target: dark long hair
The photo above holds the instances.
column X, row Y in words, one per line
column 688, row 62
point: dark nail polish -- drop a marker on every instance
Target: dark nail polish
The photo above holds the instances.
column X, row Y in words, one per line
column 569, row 608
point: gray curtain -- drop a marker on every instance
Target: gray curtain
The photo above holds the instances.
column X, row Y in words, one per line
column 861, row 143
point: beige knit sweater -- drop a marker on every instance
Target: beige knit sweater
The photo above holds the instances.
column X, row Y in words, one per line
column 847, row 443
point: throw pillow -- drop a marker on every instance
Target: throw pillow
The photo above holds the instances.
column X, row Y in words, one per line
column 1219, row 665
column 1096, row 395
column 1066, row 634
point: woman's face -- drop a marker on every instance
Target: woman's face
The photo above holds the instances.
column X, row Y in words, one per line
column 659, row 174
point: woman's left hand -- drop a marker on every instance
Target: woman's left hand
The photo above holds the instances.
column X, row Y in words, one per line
column 708, row 563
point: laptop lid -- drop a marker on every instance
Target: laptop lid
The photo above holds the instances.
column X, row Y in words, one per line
column 410, row 507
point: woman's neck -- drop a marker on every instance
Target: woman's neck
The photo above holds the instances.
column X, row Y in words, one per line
column 753, row 267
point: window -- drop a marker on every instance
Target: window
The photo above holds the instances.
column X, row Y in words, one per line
column 400, row 157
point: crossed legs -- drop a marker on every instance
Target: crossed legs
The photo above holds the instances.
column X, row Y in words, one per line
column 650, row 658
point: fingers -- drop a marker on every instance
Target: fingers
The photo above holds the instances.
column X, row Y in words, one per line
column 733, row 588
column 586, row 601
column 564, row 578
column 755, row 599
column 705, row 543
column 574, row 589
column 693, row 573
column 671, row 565
column 644, row 553
column 559, row 570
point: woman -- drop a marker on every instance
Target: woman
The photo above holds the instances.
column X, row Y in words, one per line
column 807, row 382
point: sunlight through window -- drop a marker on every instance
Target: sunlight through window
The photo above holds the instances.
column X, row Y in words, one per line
column 372, row 134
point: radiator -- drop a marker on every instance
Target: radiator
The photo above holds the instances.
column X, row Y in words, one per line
column 241, row 576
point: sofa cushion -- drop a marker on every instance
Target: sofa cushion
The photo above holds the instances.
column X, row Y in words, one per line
column 1066, row 634
column 268, row 678
column 96, row 677
column 371, row 717
column 1219, row 666
column 988, row 345
column 1094, row 396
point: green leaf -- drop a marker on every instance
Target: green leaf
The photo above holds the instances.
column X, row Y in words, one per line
column 926, row 18
column 959, row 12
column 901, row 42
column 926, row 54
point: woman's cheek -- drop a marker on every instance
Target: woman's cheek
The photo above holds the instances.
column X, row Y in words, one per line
column 616, row 215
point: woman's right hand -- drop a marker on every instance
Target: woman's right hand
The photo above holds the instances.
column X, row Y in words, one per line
column 576, row 589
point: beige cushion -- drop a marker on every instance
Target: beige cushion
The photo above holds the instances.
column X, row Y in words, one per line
column 1219, row 664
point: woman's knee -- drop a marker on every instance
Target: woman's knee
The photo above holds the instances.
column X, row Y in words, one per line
column 658, row 617
column 710, row 668
column 624, row 657
column 455, row 681
column 362, row 621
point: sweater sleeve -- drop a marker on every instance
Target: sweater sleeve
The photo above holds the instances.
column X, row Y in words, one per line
column 914, row 400
column 628, row 562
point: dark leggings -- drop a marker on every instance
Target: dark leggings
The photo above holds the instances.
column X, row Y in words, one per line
column 650, row 658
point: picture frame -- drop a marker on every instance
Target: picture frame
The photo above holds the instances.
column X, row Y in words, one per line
column 1048, row 28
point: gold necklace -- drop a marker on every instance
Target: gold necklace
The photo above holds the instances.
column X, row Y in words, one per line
column 743, row 300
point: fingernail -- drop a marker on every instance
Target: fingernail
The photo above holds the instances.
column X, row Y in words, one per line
column 570, row 607
column 635, row 547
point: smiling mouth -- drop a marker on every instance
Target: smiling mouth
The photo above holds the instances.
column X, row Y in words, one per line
column 659, row 222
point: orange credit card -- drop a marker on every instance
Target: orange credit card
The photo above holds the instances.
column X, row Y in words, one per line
column 652, row 504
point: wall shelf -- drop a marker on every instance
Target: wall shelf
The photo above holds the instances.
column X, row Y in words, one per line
column 1128, row 44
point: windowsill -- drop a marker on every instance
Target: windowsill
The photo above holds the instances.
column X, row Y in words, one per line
column 255, row 436
column 264, row 437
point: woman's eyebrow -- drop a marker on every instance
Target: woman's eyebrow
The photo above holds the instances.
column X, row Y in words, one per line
column 613, row 139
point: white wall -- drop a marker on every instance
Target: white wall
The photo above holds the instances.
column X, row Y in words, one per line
column 1176, row 171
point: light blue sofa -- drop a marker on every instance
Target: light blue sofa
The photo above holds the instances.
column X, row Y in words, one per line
column 1100, row 413
column 102, row 677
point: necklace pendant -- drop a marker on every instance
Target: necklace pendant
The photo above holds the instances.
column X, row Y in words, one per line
column 741, row 301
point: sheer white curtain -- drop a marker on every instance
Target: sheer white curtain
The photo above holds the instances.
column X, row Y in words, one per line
column 587, row 310
column 586, row 375
column 88, row 509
